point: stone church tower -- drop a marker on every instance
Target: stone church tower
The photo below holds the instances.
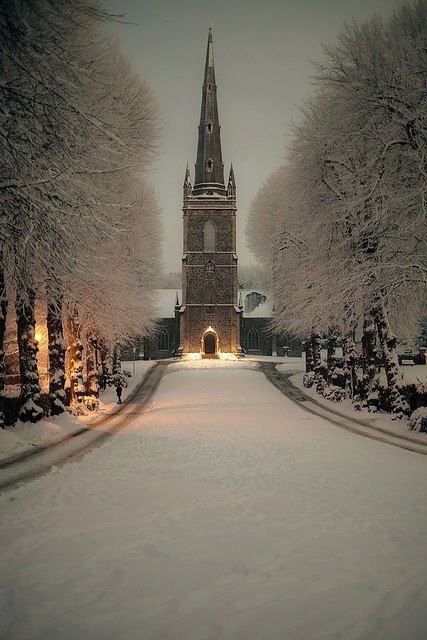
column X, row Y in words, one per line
column 209, row 315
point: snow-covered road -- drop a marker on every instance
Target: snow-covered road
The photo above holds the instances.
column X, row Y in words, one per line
column 225, row 511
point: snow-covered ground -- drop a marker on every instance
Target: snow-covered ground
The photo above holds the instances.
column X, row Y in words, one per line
column 223, row 511
column 416, row 373
column 24, row 436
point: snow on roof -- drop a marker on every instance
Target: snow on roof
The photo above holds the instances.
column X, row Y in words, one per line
column 264, row 309
column 165, row 302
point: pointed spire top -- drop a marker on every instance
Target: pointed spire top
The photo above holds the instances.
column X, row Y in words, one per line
column 187, row 179
column 209, row 66
column 231, row 187
column 209, row 174
column 187, row 183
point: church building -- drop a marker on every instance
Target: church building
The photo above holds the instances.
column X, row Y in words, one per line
column 211, row 316
column 209, row 313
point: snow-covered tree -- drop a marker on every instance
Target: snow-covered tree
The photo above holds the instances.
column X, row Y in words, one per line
column 351, row 246
column 75, row 120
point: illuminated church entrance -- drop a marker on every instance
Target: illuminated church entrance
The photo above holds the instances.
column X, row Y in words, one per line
column 209, row 344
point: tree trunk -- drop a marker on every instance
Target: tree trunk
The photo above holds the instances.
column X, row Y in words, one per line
column 92, row 384
column 399, row 406
column 350, row 356
column 330, row 358
column 309, row 365
column 57, row 349
column 75, row 347
column 105, row 364
column 117, row 359
column 3, row 313
column 368, row 393
column 315, row 346
column 30, row 411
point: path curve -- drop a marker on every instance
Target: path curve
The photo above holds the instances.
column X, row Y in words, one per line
column 354, row 425
column 41, row 460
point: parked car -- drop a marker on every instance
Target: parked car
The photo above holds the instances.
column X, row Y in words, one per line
column 409, row 358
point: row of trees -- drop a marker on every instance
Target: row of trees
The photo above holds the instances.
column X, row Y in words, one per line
column 79, row 224
column 348, row 210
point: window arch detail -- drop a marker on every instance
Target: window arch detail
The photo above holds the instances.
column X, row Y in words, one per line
column 209, row 269
column 253, row 338
column 209, row 165
column 209, row 237
column 163, row 340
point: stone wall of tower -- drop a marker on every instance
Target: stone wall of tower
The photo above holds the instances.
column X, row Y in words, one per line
column 204, row 269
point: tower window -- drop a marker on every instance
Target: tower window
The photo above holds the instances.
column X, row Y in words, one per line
column 209, row 127
column 209, row 165
column 209, row 237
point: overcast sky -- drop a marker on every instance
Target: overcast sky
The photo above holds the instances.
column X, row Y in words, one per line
column 263, row 51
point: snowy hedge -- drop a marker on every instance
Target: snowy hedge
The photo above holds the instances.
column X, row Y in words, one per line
column 418, row 420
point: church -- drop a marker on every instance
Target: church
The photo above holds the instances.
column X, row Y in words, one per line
column 211, row 316
column 209, row 312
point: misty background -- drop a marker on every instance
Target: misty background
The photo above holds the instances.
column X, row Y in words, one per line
column 263, row 61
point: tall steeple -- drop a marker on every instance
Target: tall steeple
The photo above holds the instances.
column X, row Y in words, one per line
column 208, row 318
column 209, row 175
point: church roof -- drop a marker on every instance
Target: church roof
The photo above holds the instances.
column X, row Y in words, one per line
column 257, row 303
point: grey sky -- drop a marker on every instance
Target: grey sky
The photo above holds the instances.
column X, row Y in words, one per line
column 263, row 53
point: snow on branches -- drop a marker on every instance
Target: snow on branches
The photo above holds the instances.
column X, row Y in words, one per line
column 348, row 211
column 78, row 127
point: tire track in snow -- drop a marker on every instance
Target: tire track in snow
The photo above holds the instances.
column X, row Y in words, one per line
column 353, row 425
column 71, row 448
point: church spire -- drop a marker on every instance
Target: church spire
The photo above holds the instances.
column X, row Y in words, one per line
column 209, row 175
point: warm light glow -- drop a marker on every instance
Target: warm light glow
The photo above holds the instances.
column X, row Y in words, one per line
column 192, row 356
column 228, row 356
column 38, row 336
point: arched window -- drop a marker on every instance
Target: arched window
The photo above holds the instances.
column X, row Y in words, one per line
column 209, row 127
column 209, row 237
column 209, row 165
column 210, row 293
column 163, row 340
column 253, row 338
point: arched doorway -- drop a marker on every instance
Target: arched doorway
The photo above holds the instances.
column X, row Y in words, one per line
column 209, row 344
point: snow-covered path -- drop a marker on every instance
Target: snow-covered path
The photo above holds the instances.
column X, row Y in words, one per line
column 223, row 512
